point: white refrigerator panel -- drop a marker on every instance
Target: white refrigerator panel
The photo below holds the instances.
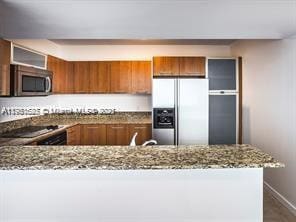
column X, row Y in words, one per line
column 163, row 93
column 193, row 111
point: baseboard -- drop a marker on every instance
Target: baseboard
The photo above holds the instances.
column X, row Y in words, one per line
column 280, row 198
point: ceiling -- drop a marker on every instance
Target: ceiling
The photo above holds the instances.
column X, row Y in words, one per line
column 147, row 19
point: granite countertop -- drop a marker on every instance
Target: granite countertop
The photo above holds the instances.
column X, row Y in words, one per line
column 117, row 118
column 24, row 141
column 134, row 158
column 69, row 120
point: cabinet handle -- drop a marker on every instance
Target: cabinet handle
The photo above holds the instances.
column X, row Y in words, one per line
column 140, row 127
column 92, row 127
column 169, row 73
column 142, row 92
column 194, row 73
column 117, row 127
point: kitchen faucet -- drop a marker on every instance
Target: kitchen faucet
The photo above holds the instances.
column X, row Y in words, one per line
column 146, row 143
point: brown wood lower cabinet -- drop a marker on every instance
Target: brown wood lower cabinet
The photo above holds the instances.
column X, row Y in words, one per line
column 93, row 134
column 73, row 135
column 108, row 134
column 144, row 132
column 117, row 134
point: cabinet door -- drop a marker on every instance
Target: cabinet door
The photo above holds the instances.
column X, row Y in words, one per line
column 166, row 66
column 222, row 74
column 69, row 77
column 73, row 135
column 81, row 77
column 222, row 119
column 93, row 134
column 192, row 66
column 58, row 68
column 141, row 77
column 121, row 74
column 144, row 132
column 99, row 77
column 117, row 134
column 4, row 68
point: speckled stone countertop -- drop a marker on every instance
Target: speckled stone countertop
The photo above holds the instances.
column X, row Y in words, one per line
column 68, row 120
column 132, row 158
column 71, row 119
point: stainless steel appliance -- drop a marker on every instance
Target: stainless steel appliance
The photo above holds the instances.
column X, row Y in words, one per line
column 180, row 111
column 29, row 81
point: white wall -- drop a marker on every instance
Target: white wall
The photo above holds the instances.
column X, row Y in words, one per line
column 120, row 102
column 103, row 52
column 269, row 106
column 137, row 52
column 120, row 52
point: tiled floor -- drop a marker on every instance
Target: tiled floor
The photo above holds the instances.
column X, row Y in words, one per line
column 274, row 211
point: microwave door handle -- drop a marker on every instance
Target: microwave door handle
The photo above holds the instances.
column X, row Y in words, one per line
column 48, row 80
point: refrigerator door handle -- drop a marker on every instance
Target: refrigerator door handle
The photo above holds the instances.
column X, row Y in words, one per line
column 178, row 110
column 176, row 138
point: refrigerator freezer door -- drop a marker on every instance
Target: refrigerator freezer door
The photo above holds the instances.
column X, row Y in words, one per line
column 193, row 111
column 163, row 93
column 163, row 96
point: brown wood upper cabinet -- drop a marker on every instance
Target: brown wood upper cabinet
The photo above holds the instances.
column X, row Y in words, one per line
column 81, row 77
column 121, row 75
column 166, row 66
column 179, row 66
column 144, row 132
column 141, row 77
column 4, row 67
column 93, row 134
column 62, row 74
column 99, row 77
column 117, row 134
column 192, row 66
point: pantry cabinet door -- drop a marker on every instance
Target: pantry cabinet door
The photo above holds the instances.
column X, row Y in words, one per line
column 222, row 74
column 222, row 119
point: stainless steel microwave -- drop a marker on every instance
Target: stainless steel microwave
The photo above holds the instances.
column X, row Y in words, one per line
column 30, row 81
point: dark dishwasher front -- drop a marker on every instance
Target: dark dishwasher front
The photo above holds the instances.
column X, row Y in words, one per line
column 57, row 139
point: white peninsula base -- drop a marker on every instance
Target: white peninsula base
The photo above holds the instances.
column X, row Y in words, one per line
column 193, row 195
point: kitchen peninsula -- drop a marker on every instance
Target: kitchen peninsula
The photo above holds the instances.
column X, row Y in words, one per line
column 123, row 183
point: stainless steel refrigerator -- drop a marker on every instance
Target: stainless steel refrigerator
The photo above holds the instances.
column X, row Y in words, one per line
column 180, row 111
